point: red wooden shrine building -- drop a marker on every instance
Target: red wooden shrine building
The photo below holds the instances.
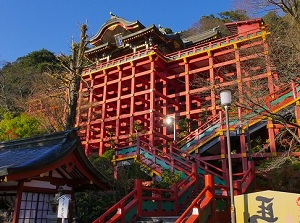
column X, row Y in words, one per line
column 145, row 74
column 142, row 75
column 35, row 171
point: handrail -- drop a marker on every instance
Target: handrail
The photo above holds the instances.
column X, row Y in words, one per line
column 217, row 43
column 115, row 208
column 199, row 130
column 205, row 198
column 207, row 167
column 175, row 158
column 284, row 90
column 132, row 199
column 119, row 60
column 185, row 181
column 243, row 184
column 194, row 203
column 170, row 161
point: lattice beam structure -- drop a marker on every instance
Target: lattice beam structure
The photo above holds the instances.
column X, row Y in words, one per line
column 142, row 88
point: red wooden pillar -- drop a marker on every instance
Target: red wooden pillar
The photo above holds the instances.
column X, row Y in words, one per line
column 212, row 83
column 209, row 181
column 103, row 114
column 152, row 101
column 195, row 171
column 174, row 188
column 238, row 73
column 164, row 109
column 138, row 195
column 223, row 145
column 243, row 144
column 80, row 98
column 268, row 64
column 16, row 212
column 132, row 98
column 297, row 114
column 243, row 151
column 187, row 89
column 271, row 134
column 118, row 124
column 297, row 107
column 251, row 165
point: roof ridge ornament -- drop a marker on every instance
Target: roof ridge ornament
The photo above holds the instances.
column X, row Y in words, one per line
column 113, row 16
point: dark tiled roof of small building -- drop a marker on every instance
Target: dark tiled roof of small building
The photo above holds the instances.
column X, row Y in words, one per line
column 203, row 37
column 30, row 154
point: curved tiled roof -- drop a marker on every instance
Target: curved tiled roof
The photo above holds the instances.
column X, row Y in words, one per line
column 31, row 156
column 115, row 20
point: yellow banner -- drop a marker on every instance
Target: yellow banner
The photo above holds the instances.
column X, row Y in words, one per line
column 268, row 206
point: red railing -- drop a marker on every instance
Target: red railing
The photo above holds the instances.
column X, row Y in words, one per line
column 207, row 167
column 212, row 121
column 174, row 158
column 242, row 185
column 217, row 43
column 204, row 201
column 284, row 90
column 119, row 60
column 158, row 154
column 135, row 199
column 120, row 209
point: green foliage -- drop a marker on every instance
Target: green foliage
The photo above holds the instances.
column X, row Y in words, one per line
column 233, row 16
column 168, row 178
column 91, row 204
column 25, row 77
column 284, row 177
column 39, row 61
column 19, row 126
column 125, row 176
column 211, row 21
column 256, row 144
column 104, row 165
column 184, row 126
column 108, row 154
column 137, row 126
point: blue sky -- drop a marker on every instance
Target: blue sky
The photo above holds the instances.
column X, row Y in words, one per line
column 30, row 25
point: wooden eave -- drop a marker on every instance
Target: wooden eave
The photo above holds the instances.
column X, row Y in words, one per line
column 114, row 20
column 100, row 49
column 151, row 31
column 72, row 161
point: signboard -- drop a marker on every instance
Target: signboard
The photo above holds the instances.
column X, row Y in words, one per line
column 268, row 206
column 118, row 39
column 63, row 206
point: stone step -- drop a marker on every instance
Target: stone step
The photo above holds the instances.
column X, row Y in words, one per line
column 164, row 219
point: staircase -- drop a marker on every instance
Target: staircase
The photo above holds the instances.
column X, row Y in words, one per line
column 182, row 160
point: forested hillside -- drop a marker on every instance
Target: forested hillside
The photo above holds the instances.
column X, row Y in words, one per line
column 21, row 82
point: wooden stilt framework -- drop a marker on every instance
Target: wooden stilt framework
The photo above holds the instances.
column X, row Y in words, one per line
column 142, row 88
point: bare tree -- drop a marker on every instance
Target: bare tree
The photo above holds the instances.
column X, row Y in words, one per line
column 71, row 76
